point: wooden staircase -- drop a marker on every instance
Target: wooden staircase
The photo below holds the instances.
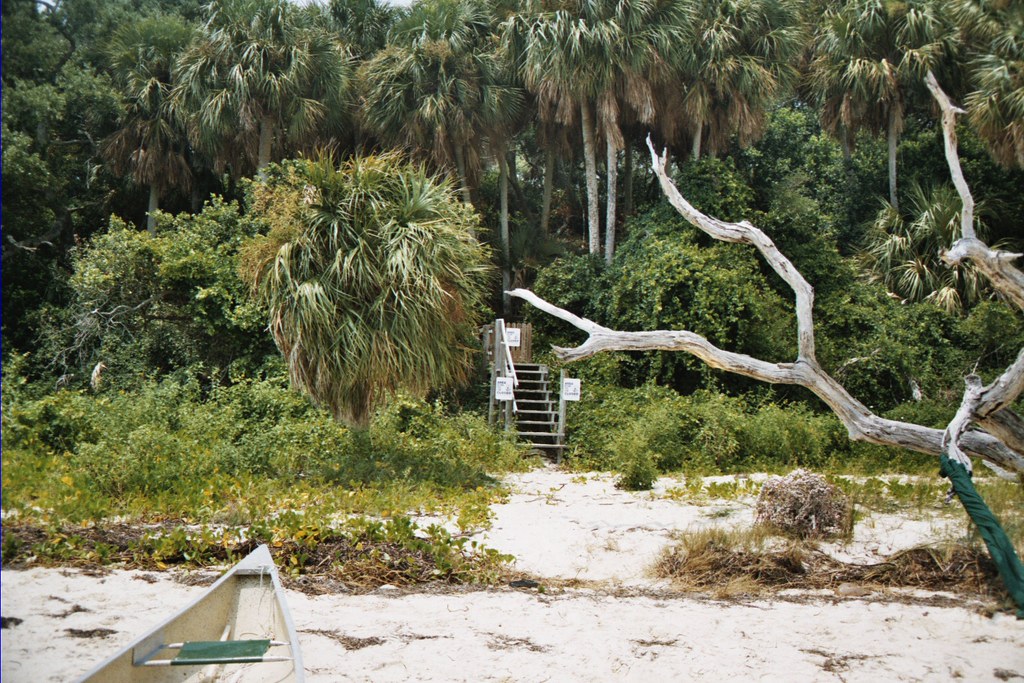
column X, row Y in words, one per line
column 537, row 418
column 532, row 408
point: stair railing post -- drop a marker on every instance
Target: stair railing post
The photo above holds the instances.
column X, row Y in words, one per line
column 491, row 403
column 561, row 417
column 501, row 351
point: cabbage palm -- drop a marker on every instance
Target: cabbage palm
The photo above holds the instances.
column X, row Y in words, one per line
column 995, row 39
column 595, row 58
column 258, row 76
column 373, row 279
column 150, row 145
column 566, row 58
column 740, row 61
column 903, row 249
column 868, row 55
column 362, row 25
column 438, row 87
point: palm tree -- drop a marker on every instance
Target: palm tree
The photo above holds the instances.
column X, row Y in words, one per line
column 903, row 249
column 259, row 77
column 740, row 61
column 995, row 106
column 362, row 25
column 437, row 87
column 149, row 145
column 598, row 60
column 566, row 63
column 868, row 55
column 373, row 279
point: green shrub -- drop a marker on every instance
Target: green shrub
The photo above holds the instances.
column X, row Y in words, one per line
column 171, row 448
column 639, row 472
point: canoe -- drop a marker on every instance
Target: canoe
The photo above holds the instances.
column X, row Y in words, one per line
column 238, row 630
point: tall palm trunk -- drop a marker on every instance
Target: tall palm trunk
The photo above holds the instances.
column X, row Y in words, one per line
column 612, row 161
column 506, row 255
column 460, row 168
column 549, row 187
column 893, row 140
column 627, row 191
column 266, row 143
column 695, row 150
column 154, row 206
column 590, row 167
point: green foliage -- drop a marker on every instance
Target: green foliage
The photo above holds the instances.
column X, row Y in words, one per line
column 361, row 553
column 258, row 74
column 653, row 429
column 570, row 282
column 639, row 473
column 715, row 187
column 237, row 453
column 903, row 248
column 145, row 305
column 662, row 279
column 374, row 280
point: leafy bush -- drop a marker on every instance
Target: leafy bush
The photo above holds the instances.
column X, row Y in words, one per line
column 171, row 448
column 706, row 432
column 148, row 305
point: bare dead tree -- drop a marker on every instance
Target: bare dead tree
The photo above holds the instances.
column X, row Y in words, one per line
column 984, row 426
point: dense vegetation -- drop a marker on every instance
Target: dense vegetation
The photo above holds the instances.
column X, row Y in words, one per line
column 138, row 374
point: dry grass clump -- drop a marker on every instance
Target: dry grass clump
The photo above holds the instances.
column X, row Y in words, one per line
column 804, row 505
column 733, row 562
column 727, row 563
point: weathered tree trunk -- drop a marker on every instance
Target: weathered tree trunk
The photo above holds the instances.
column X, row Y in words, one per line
column 861, row 424
column 549, row 187
column 893, row 139
column 612, row 161
column 154, row 206
column 590, row 168
column 266, row 144
column 513, row 180
column 844, row 142
column 460, row 168
column 627, row 190
column 506, row 256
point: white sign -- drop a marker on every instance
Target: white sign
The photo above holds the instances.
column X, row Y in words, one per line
column 513, row 336
column 570, row 389
column 503, row 389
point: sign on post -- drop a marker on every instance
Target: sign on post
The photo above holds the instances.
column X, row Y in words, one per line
column 513, row 337
column 570, row 389
column 503, row 389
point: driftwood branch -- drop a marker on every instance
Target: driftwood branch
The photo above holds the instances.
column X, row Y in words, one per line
column 987, row 406
column 997, row 266
column 861, row 424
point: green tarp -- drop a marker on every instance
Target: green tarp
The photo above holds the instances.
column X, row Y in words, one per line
column 999, row 546
column 222, row 652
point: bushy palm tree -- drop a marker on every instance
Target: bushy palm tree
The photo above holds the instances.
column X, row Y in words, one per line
column 740, row 61
column 903, row 250
column 150, row 145
column 363, row 25
column 439, row 87
column 373, row 279
column 869, row 55
column 994, row 33
column 259, row 76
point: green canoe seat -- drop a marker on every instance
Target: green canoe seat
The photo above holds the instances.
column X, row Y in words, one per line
column 222, row 651
column 201, row 652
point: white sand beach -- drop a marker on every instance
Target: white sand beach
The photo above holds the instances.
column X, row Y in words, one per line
column 620, row 625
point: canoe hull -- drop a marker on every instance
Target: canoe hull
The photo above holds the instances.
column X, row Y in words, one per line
column 246, row 603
